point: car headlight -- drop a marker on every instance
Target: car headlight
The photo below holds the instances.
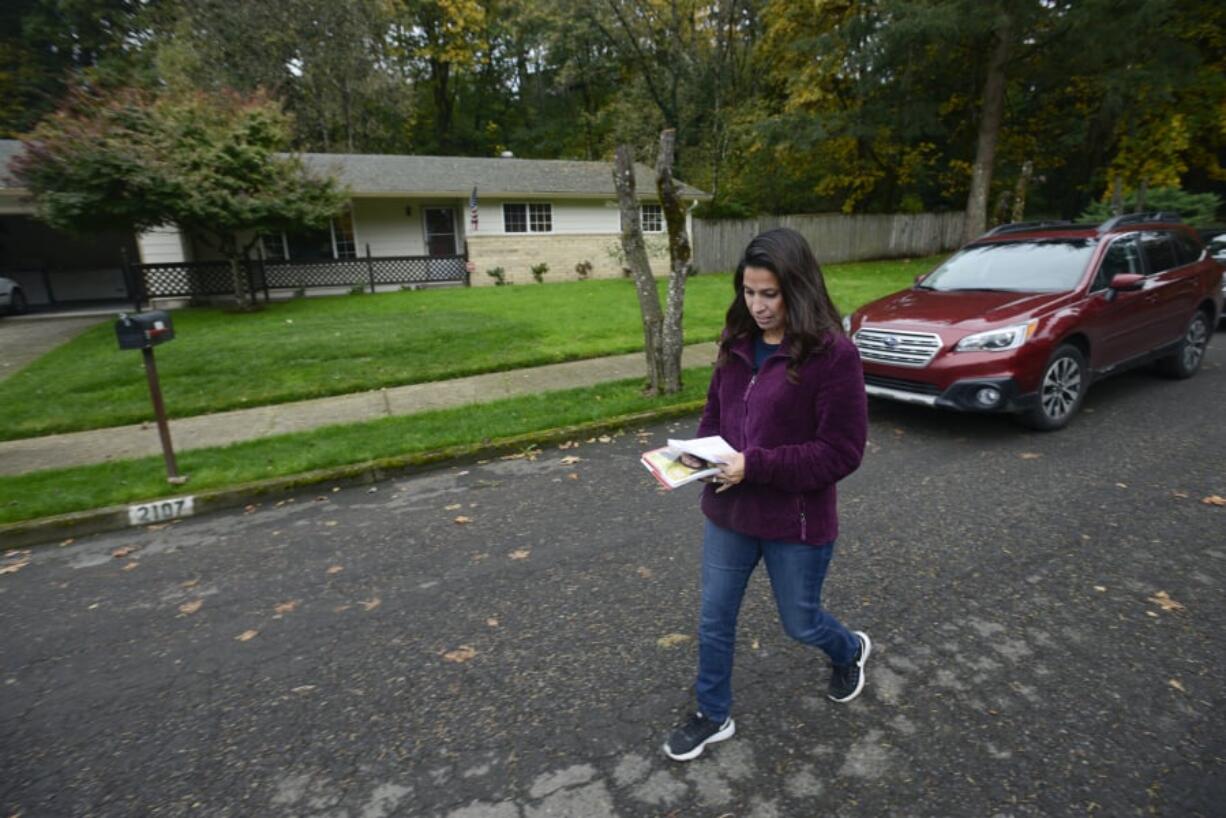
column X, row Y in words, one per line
column 998, row 340
column 847, row 320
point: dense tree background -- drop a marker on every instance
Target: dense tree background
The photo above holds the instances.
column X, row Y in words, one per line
column 779, row 105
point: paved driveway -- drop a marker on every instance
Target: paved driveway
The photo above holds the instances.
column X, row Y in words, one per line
column 23, row 340
column 1047, row 612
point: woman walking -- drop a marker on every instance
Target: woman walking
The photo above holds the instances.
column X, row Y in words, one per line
column 788, row 395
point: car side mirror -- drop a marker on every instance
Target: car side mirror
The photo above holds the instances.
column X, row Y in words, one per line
column 1127, row 281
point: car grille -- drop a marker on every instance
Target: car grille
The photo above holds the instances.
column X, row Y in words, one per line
column 902, row 385
column 897, row 348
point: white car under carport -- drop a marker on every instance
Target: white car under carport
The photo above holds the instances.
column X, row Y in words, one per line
column 12, row 298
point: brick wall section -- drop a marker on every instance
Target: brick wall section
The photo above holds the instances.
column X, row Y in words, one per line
column 516, row 254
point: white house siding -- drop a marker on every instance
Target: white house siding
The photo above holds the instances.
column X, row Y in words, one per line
column 161, row 245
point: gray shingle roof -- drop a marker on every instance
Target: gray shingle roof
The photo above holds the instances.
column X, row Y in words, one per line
column 455, row 175
column 381, row 173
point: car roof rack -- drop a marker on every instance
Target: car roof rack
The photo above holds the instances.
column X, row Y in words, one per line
column 1017, row 227
column 1139, row 218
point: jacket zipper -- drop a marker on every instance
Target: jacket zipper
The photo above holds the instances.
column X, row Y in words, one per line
column 745, row 414
column 804, row 527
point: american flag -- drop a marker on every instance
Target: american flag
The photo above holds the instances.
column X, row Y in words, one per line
column 472, row 208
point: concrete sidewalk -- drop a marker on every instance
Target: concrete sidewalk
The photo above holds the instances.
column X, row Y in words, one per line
column 203, row 431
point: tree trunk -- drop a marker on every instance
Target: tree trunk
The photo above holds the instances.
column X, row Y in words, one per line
column 1117, row 196
column 672, row 339
column 1019, row 194
column 990, row 118
column 636, row 257
column 238, row 272
column 1142, row 190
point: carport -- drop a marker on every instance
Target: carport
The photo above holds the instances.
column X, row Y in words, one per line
column 60, row 270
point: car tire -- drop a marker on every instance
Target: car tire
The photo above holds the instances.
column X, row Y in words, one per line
column 1187, row 357
column 17, row 303
column 1061, row 390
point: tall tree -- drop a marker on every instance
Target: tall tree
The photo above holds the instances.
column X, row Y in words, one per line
column 209, row 163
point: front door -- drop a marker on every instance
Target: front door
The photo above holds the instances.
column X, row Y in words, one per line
column 440, row 231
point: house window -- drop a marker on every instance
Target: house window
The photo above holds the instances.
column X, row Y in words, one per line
column 652, row 216
column 527, row 218
column 332, row 242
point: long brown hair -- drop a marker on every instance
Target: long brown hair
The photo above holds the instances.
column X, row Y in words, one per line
column 812, row 318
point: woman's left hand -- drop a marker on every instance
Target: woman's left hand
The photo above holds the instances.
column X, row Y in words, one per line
column 731, row 472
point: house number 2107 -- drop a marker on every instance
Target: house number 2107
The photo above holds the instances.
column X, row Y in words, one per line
column 161, row 511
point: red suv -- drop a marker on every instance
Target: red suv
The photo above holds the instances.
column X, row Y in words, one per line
column 1024, row 318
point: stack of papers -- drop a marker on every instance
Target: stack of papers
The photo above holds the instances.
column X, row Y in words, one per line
column 665, row 463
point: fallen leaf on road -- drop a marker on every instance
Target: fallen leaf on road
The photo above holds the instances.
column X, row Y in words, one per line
column 1175, row 683
column 249, row 508
column 755, row 645
column 335, row 569
column 371, row 604
column 341, row 608
column 645, row 572
column 331, row 523
column 131, row 565
column 1122, row 485
column 320, row 499
column 1100, row 588
column 572, row 476
column 570, row 459
column 519, row 554
column 335, row 489
column 1030, row 455
column 1183, row 495
column 246, row 636
column 156, row 526
column 605, row 439
column 286, row 607
column 1151, row 613
column 492, row 622
column 570, row 444
column 123, row 551
column 190, row 583
column 1163, row 600
column 302, row 689
column 1214, row 500
column 68, row 541
column 461, row 654
column 14, row 568
column 672, row 640
column 191, row 607
column 462, row 520
column 454, row 506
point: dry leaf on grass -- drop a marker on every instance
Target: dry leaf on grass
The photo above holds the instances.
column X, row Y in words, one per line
column 672, row 640
column 286, row 607
column 335, row 569
column 1214, row 500
column 462, row 520
column 371, row 604
column 461, row 654
column 519, row 554
column 191, row 607
column 246, row 636
column 1163, row 600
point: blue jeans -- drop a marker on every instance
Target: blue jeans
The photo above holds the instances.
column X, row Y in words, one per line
column 796, row 573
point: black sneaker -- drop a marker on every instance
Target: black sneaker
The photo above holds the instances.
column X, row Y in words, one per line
column 847, row 681
column 688, row 740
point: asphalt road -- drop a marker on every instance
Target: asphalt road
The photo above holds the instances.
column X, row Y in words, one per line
column 1047, row 614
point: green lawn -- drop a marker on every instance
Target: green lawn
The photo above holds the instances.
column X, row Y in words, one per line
column 309, row 348
column 58, row 491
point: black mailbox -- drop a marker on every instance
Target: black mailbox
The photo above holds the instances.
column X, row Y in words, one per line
column 144, row 329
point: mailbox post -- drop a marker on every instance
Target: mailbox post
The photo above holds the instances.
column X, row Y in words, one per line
column 144, row 331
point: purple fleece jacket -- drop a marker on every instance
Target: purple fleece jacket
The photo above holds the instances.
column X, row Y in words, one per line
column 799, row 440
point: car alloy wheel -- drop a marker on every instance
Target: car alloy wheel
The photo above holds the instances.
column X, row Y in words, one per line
column 1061, row 388
column 1194, row 343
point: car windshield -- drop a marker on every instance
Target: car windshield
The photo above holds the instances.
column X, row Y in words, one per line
column 1015, row 266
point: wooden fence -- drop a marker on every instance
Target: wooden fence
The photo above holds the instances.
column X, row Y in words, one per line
column 718, row 243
